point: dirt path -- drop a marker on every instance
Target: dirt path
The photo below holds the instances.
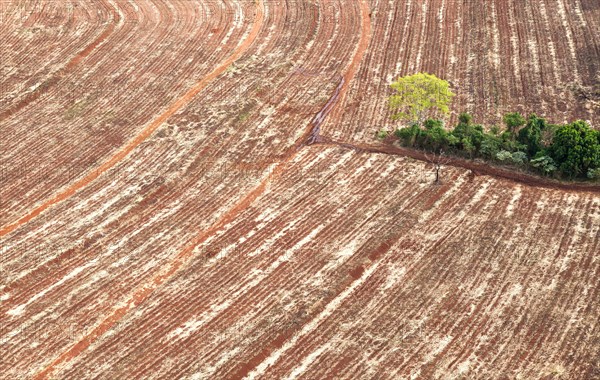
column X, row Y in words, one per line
column 56, row 77
column 342, row 88
column 312, row 135
column 145, row 133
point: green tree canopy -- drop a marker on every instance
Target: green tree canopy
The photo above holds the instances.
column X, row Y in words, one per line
column 566, row 151
column 418, row 96
column 513, row 121
column 531, row 135
column 469, row 136
column 576, row 148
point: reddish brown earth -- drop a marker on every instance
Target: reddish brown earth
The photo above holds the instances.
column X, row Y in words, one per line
column 191, row 190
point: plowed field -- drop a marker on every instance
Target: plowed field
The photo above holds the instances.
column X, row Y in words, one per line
column 190, row 189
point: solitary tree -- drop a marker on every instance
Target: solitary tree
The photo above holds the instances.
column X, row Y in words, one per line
column 419, row 96
column 438, row 161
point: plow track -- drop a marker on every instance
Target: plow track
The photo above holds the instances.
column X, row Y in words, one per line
column 189, row 190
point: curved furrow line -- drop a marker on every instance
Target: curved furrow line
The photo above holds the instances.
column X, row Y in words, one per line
column 466, row 332
column 295, row 358
column 28, row 42
column 247, row 302
column 475, row 335
column 233, row 211
column 103, row 130
column 141, row 294
column 524, row 326
column 222, row 247
column 75, row 259
column 575, row 279
column 184, row 185
column 236, row 290
column 508, row 269
column 495, row 57
column 431, row 252
column 217, row 276
column 416, row 309
column 145, row 133
column 536, row 337
column 56, row 77
column 281, row 282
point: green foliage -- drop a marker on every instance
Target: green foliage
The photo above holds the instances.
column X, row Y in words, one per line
column 469, row 136
column 467, row 146
column 504, row 155
column 544, row 163
column 513, row 121
column 509, row 144
column 465, row 118
column 434, row 137
column 418, row 95
column 495, row 130
column 593, row 173
column 490, row 145
column 408, row 135
column 433, row 124
column 517, row 158
column 381, row 134
column 576, row 149
column 571, row 150
column 531, row 135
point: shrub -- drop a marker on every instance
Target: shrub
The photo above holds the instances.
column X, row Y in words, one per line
column 470, row 136
column 465, row 118
column 509, row 144
column 490, row 146
column 593, row 173
column 519, row 158
column 572, row 150
column 433, row 123
column 544, row 163
column 504, row 155
column 495, row 130
column 467, row 146
column 434, row 137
